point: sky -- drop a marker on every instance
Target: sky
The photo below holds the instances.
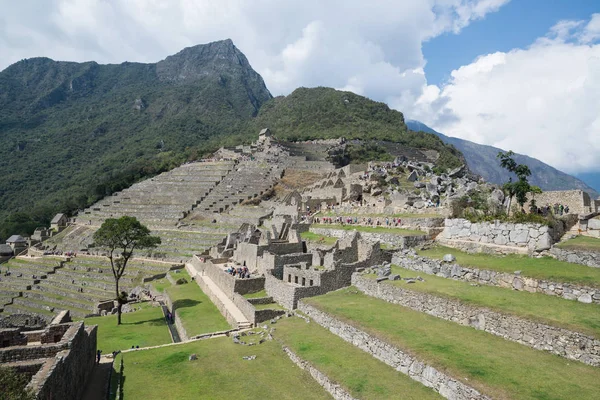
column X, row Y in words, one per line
column 522, row 75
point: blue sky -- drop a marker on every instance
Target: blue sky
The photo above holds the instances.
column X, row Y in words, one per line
column 515, row 25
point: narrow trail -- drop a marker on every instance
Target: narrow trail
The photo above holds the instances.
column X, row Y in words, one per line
column 172, row 328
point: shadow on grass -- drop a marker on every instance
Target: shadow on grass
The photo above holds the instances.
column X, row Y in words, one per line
column 152, row 322
column 183, row 303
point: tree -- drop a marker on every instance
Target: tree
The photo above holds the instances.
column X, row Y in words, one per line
column 121, row 237
column 14, row 385
column 521, row 187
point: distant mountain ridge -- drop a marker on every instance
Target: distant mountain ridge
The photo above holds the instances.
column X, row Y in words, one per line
column 482, row 160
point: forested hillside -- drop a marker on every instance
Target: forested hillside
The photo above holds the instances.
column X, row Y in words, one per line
column 71, row 133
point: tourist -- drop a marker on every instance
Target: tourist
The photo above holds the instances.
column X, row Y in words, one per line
column 98, row 353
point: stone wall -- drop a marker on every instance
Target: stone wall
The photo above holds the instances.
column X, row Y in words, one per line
column 12, row 337
column 183, row 335
column 69, row 371
column 591, row 259
column 336, row 391
column 497, row 236
column 217, row 302
column 288, row 295
column 230, row 284
column 556, row 340
column 493, row 278
column 396, row 358
column 390, row 239
column 579, row 202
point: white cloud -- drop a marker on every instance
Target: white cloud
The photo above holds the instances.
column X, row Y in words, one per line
column 373, row 48
column 541, row 101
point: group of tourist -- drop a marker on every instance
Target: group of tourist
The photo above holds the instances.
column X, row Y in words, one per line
column 365, row 221
column 239, row 272
column 557, row 210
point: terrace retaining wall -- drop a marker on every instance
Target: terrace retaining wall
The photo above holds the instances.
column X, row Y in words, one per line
column 514, row 281
column 562, row 342
column 390, row 239
column 336, row 391
column 589, row 258
column 396, row 358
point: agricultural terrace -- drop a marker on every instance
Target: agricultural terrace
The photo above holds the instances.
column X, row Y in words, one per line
column 492, row 365
column 541, row 268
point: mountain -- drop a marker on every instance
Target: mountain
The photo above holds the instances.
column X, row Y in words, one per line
column 482, row 160
column 73, row 132
column 326, row 113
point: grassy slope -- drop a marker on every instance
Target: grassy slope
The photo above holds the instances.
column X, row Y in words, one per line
column 219, row 373
column 581, row 243
column 362, row 375
column 313, row 237
column 146, row 327
column 371, row 229
column 198, row 314
column 550, row 310
column 497, row 367
column 542, row 268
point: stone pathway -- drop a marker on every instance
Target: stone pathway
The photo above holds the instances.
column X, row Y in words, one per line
column 174, row 333
column 98, row 383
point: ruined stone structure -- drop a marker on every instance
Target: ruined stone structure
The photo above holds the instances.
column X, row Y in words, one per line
column 578, row 201
column 59, row 359
column 502, row 237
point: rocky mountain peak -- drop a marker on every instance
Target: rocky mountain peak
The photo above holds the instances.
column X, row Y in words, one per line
column 195, row 62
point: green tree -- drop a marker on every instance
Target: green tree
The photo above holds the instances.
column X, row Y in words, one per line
column 521, row 187
column 13, row 385
column 121, row 237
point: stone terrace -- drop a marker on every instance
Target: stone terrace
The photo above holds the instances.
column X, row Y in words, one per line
column 163, row 200
column 78, row 285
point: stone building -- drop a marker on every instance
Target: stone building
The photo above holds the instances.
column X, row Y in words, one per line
column 59, row 222
column 58, row 359
column 17, row 242
column 6, row 252
column 578, row 201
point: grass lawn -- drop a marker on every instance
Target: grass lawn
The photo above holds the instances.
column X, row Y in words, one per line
column 362, row 375
column 220, row 372
column 198, row 314
column 542, row 268
column 161, row 284
column 371, row 229
column 270, row 306
column 145, row 327
column 539, row 307
column 256, row 295
column 581, row 243
column 496, row 367
column 313, row 237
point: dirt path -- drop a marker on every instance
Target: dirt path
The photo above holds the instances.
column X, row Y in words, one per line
column 98, row 384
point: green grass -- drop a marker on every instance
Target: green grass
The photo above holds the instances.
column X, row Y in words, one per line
column 375, row 215
column 581, row 243
column 145, row 327
column 270, row 306
column 256, row 295
column 161, row 284
column 371, row 229
column 547, row 268
column 497, row 367
column 218, row 373
column 313, row 237
column 538, row 307
column 198, row 314
column 359, row 373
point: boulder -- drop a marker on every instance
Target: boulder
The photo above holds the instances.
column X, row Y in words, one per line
column 419, row 185
column 413, row 176
column 585, row 298
column 449, row 258
column 394, row 277
column 593, row 223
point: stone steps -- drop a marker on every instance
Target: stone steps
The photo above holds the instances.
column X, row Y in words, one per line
column 68, row 303
column 48, row 306
column 21, row 309
column 72, row 291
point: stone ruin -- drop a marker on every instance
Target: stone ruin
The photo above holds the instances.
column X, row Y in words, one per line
column 281, row 263
column 58, row 359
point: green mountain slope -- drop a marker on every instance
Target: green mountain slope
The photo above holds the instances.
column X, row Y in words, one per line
column 324, row 113
column 72, row 132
